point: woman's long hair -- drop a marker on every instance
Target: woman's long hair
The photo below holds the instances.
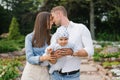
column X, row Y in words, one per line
column 41, row 30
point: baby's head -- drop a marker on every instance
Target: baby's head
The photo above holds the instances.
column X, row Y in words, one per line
column 62, row 36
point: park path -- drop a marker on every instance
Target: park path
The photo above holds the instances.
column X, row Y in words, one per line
column 90, row 71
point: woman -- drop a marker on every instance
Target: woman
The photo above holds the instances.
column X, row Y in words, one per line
column 35, row 45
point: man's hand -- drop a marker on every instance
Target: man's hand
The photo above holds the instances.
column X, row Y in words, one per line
column 63, row 52
column 67, row 51
column 81, row 53
column 75, row 54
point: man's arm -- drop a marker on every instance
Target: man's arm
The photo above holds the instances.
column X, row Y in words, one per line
column 87, row 42
column 81, row 53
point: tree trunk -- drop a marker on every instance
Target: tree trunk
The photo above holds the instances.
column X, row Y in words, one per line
column 92, row 19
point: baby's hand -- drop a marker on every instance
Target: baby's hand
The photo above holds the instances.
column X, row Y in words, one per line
column 50, row 50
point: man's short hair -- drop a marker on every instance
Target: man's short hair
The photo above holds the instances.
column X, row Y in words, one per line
column 60, row 8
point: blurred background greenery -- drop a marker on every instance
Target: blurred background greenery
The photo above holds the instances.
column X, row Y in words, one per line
column 102, row 17
column 17, row 17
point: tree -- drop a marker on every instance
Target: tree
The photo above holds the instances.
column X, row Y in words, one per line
column 25, row 12
column 107, row 19
column 5, row 18
column 115, row 4
column 14, row 29
column 92, row 27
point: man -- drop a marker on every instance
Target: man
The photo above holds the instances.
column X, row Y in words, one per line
column 78, row 35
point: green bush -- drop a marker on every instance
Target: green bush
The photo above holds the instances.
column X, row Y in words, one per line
column 107, row 36
column 9, row 69
column 14, row 29
column 11, row 45
column 98, row 56
column 106, row 64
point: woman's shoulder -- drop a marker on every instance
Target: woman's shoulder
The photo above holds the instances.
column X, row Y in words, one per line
column 29, row 36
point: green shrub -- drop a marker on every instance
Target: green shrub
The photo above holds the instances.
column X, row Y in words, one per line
column 107, row 36
column 14, row 29
column 9, row 69
column 98, row 56
column 106, row 64
column 11, row 45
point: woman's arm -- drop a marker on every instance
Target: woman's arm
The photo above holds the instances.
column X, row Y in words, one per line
column 49, row 52
column 31, row 58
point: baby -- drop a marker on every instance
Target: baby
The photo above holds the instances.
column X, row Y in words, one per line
column 61, row 37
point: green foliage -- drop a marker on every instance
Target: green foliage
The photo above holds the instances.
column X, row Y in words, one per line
column 108, row 36
column 98, row 56
column 109, row 55
column 5, row 18
column 25, row 12
column 11, row 45
column 53, row 30
column 9, row 69
column 97, row 50
column 107, row 64
column 20, row 58
column 14, row 29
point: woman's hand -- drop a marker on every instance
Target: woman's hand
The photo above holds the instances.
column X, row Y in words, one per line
column 47, row 58
column 53, row 61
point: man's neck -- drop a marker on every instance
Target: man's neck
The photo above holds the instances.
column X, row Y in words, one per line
column 65, row 22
